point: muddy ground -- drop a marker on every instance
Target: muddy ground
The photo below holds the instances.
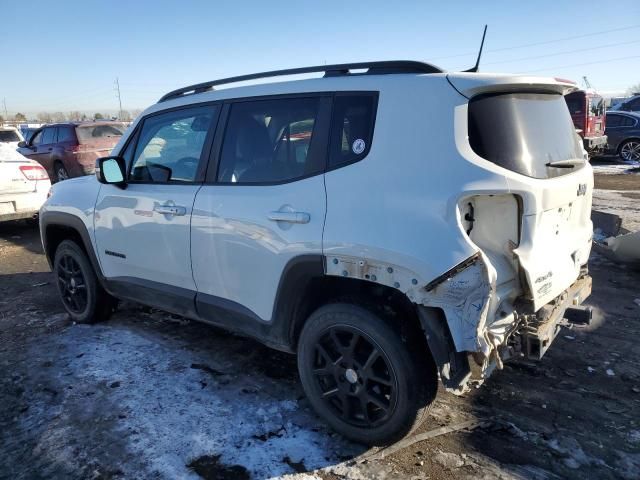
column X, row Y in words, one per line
column 150, row 395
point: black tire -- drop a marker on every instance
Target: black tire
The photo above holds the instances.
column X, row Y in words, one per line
column 402, row 379
column 60, row 172
column 83, row 297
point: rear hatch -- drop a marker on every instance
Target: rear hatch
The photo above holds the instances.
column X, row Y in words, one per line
column 525, row 128
column 97, row 140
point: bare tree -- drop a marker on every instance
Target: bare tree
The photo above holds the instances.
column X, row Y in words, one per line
column 634, row 89
column 135, row 113
column 44, row 117
column 74, row 116
column 125, row 115
column 98, row 116
column 58, row 117
column 20, row 117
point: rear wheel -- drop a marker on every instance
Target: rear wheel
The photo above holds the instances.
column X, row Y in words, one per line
column 60, row 172
column 630, row 150
column 361, row 376
column 83, row 297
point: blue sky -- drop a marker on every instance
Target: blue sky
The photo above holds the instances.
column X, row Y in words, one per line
column 65, row 55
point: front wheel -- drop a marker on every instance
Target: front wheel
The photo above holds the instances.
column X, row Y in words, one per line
column 82, row 296
column 630, row 150
column 362, row 377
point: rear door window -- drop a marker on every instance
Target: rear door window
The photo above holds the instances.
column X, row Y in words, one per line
column 527, row 133
column 613, row 120
column 274, row 141
column 352, row 127
column 65, row 134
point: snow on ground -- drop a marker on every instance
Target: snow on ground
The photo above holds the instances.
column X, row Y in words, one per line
column 616, row 167
column 175, row 405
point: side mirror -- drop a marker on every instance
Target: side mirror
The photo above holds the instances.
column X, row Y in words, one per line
column 22, row 144
column 111, row 170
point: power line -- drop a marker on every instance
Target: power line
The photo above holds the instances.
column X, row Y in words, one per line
column 564, row 52
column 581, row 64
column 564, row 39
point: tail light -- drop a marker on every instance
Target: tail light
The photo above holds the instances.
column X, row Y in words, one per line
column 73, row 148
column 34, row 172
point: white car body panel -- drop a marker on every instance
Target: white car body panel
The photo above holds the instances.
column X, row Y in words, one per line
column 143, row 243
column 238, row 253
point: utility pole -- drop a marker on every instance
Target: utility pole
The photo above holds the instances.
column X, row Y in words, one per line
column 117, row 88
column 6, row 115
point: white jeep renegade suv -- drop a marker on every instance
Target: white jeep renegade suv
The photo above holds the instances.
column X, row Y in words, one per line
column 389, row 222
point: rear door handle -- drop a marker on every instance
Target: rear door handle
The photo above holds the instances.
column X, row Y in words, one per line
column 170, row 210
column 290, row 217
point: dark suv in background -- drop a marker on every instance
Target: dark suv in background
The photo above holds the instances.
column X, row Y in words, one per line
column 68, row 150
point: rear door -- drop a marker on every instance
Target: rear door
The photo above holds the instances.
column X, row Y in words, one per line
column 143, row 231
column 263, row 205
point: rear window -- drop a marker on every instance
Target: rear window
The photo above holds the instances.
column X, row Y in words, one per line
column 575, row 102
column 527, row 133
column 89, row 133
column 9, row 136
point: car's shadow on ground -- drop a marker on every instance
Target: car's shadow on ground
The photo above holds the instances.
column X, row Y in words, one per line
column 23, row 233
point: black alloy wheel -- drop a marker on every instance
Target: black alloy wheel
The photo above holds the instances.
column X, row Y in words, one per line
column 355, row 376
column 73, row 287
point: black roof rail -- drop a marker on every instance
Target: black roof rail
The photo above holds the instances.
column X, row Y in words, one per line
column 373, row 68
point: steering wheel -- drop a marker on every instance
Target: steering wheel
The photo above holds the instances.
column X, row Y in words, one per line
column 186, row 167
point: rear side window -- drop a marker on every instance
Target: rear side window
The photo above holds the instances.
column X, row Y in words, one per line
column 596, row 106
column 274, row 141
column 525, row 133
column 614, row 120
column 352, row 127
column 89, row 133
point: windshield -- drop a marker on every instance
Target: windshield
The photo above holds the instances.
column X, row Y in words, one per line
column 9, row 136
column 527, row 133
column 89, row 133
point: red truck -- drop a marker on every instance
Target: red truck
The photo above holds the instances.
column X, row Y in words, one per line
column 587, row 110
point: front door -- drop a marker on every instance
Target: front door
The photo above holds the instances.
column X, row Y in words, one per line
column 142, row 231
column 263, row 207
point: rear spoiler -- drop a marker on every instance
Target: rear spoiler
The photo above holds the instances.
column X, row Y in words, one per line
column 472, row 84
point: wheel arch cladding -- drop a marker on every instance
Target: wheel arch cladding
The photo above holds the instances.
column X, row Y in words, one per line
column 57, row 227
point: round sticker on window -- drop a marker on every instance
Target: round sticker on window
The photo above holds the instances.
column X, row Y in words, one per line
column 358, row 146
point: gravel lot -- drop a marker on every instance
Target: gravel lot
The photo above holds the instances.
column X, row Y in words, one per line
column 150, row 395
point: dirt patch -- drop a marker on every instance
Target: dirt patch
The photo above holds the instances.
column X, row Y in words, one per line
column 617, row 182
column 209, row 467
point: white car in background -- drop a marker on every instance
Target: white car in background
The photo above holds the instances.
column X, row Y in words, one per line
column 10, row 136
column 24, row 185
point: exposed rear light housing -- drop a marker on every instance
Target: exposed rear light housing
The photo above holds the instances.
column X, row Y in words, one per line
column 34, row 172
